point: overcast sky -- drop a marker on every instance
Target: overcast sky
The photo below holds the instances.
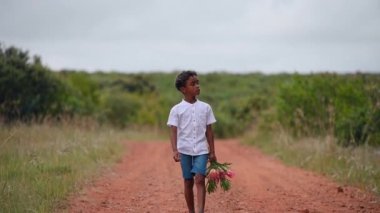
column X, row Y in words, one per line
column 204, row 35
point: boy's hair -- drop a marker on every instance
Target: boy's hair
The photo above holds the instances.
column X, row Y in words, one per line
column 181, row 79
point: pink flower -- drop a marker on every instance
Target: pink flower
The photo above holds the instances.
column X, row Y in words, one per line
column 218, row 174
column 222, row 175
column 213, row 175
column 230, row 174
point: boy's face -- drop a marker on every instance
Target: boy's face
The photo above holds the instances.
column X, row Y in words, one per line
column 192, row 87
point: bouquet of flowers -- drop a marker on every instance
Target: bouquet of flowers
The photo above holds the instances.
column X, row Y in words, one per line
column 218, row 174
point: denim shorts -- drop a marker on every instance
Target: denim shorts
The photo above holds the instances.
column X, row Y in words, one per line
column 192, row 165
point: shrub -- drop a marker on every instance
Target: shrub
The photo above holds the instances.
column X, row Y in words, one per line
column 328, row 103
column 28, row 89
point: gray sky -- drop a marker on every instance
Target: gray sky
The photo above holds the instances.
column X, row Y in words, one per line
column 203, row 35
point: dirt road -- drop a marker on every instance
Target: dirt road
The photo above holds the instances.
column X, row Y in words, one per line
column 148, row 180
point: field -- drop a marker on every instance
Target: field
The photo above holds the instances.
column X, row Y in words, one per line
column 41, row 164
column 358, row 166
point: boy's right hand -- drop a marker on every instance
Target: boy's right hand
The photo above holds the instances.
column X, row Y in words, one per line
column 176, row 156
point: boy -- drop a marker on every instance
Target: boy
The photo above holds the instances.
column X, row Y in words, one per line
column 192, row 138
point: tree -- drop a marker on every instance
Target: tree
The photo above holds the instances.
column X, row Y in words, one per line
column 28, row 90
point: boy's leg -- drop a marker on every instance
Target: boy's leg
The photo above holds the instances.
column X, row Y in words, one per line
column 199, row 169
column 201, row 192
column 186, row 165
column 189, row 195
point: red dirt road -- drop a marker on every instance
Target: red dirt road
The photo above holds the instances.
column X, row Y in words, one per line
column 148, row 180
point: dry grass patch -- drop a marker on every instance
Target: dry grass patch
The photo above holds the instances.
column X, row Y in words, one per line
column 358, row 166
column 41, row 164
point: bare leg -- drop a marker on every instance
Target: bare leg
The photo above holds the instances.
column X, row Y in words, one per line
column 189, row 195
column 201, row 192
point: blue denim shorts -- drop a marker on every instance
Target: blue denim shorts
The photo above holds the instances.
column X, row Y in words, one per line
column 192, row 165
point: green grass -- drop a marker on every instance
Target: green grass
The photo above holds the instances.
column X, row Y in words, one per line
column 41, row 164
column 359, row 166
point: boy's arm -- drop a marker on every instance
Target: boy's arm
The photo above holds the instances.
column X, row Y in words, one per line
column 210, row 141
column 173, row 140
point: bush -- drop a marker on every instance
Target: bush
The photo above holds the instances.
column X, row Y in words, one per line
column 328, row 103
column 28, row 89
column 82, row 93
column 119, row 109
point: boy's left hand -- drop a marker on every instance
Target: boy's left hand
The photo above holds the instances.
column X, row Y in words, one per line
column 212, row 157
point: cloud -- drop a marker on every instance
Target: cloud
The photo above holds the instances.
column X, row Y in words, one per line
column 241, row 35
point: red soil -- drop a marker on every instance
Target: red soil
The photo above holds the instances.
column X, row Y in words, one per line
column 148, row 180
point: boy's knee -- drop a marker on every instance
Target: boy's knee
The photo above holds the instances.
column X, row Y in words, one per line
column 199, row 179
column 189, row 183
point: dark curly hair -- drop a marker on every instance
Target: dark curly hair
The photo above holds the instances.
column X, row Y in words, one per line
column 181, row 79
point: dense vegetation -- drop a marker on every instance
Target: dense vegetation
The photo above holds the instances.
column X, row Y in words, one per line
column 27, row 89
column 346, row 106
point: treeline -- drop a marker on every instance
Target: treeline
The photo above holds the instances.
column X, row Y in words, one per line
column 346, row 106
column 30, row 92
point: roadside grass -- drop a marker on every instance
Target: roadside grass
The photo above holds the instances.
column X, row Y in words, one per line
column 356, row 166
column 141, row 133
column 41, row 164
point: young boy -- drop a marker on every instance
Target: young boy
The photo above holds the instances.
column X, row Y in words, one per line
column 192, row 138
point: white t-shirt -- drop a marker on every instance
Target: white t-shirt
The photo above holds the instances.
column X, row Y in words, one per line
column 191, row 121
